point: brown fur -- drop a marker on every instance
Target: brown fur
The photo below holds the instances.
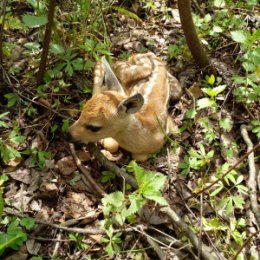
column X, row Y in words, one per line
column 121, row 113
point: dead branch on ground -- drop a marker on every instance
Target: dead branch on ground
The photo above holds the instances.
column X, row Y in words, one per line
column 95, row 187
column 252, row 176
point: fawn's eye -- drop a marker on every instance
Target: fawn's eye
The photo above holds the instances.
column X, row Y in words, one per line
column 93, row 128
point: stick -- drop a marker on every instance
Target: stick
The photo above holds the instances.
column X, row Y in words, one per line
column 252, row 176
column 86, row 173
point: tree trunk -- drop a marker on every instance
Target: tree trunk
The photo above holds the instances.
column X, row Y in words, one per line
column 190, row 33
column 46, row 42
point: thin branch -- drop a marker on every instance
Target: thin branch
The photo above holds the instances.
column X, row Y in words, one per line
column 46, row 42
column 178, row 222
column 252, row 176
column 110, row 166
column 91, row 231
column 85, row 171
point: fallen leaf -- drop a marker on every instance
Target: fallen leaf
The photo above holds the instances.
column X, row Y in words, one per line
column 66, row 165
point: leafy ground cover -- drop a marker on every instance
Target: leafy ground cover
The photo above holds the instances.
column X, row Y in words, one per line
column 196, row 198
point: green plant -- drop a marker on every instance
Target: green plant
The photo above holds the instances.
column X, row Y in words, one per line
column 210, row 102
column 107, row 176
column 231, row 181
column 118, row 207
column 40, row 157
column 248, row 89
column 78, row 242
column 256, row 127
column 95, row 48
column 113, row 241
column 210, row 133
column 12, row 99
column 196, row 160
column 9, row 144
column 14, row 236
column 3, row 179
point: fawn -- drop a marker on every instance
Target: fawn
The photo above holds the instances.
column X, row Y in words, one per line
column 129, row 106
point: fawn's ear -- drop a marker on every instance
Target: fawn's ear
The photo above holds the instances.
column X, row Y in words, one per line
column 111, row 81
column 131, row 104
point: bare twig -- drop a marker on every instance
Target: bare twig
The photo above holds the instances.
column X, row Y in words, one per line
column 85, row 171
column 252, row 176
column 156, row 247
column 57, row 245
column 111, row 166
column 91, row 231
column 178, row 222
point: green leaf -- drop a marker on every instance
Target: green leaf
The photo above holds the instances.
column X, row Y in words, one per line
column 15, row 138
column 57, row 49
column 65, row 125
column 33, row 21
column 127, row 13
column 211, row 79
column 3, row 124
column 242, row 188
column 69, row 69
column 78, row 64
column 1, row 203
column 157, row 198
column 32, row 45
column 248, row 66
column 229, row 206
column 225, row 124
column 219, row 3
column 137, row 202
column 12, row 99
column 191, row 113
column 107, row 176
column 240, row 36
column 238, row 201
column 4, row 114
column 115, row 199
column 210, row 154
column 205, row 102
column 216, row 191
column 9, row 153
column 28, row 223
column 217, row 90
column 138, row 171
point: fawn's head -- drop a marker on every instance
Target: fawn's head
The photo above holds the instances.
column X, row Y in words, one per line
column 109, row 110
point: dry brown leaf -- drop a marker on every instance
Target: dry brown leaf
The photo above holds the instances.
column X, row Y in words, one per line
column 22, row 175
column 196, row 90
column 66, row 166
column 77, row 205
column 33, row 247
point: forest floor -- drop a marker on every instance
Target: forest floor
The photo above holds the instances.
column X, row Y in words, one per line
column 212, row 146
